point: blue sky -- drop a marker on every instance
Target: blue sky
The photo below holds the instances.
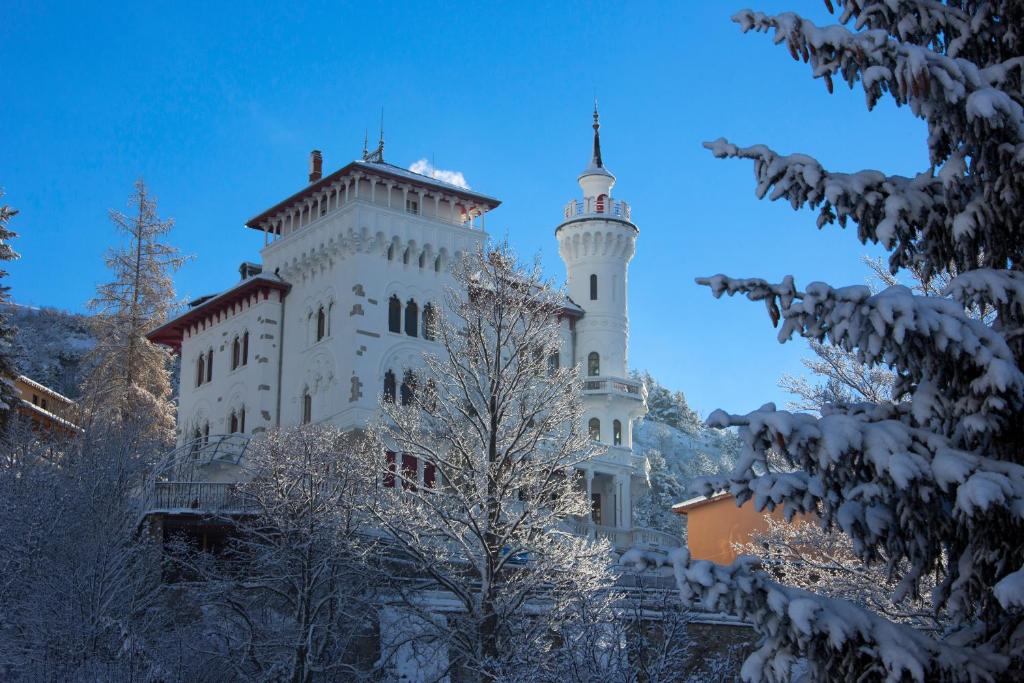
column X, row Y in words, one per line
column 218, row 107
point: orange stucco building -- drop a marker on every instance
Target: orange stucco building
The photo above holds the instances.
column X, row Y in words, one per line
column 714, row 524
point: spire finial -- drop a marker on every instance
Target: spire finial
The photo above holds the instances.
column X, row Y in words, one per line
column 596, row 161
column 366, row 142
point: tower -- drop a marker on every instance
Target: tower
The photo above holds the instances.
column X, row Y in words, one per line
column 596, row 241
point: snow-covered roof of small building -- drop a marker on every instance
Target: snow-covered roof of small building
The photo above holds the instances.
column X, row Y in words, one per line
column 699, row 501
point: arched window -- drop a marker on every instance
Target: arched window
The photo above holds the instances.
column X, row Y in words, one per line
column 437, row 264
column 408, row 389
column 594, row 427
column 391, row 252
column 241, row 419
column 245, row 348
column 197, row 440
column 601, row 201
column 405, row 256
column 429, row 322
column 617, row 433
column 307, row 407
column 236, row 352
column 553, row 363
column 593, row 364
column 330, row 317
column 321, row 323
column 389, row 387
column 394, row 314
column 209, row 365
column 412, row 314
column 206, row 432
column 423, row 258
column 200, row 370
column 593, row 287
column 233, row 423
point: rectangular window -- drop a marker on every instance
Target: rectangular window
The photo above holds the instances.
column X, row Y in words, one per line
column 389, row 473
column 412, row 206
column 410, row 471
column 429, row 475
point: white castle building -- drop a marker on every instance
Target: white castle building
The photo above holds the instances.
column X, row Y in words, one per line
column 352, row 275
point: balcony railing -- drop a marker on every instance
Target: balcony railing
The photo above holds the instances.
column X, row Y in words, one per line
column 615, row 385
column 623, row 539
column 199, row 496
column 597, row 206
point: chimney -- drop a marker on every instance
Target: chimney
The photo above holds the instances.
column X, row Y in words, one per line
column 316, row 165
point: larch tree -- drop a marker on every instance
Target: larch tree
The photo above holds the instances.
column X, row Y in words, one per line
column 477, row 455
column 931, row 481
column 130, row 377
column 8, row 392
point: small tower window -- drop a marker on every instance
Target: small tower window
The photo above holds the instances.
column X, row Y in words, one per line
column 593, row 287
column 405, row 256
column 422, row 259
column 236, row 353
column 307, row 407
column 602, row 199
column 391, row 252
column 553, row 363
column 394, row 314
column 617, row 433
column 593, row 364
column 245, row 348
column 233, row 423
column 200, row 371
column 321, row 324
column 412, row 206
column 209, row 365
column 412, row 314
column 241, row 419
column 594, row 427
column 389, row 387
column 437, row 264
column 429, row 322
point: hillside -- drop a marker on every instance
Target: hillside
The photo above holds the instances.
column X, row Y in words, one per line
column 679, row 447
column 51, row 346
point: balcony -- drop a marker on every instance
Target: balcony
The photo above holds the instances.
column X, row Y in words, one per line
column 623, row 539
column 629, row 388
column 597, row 206
column 199, row 497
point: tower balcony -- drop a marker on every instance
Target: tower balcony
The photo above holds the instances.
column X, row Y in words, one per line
column 630, row 388
column 597, row 206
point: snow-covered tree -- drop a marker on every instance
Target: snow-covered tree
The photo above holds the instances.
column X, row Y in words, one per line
column 130, row 377
column 291, row 597
column 931, row 481
column 802, row 554
column 654, row 509
column 78, row 582
column 478, row 455
column 669, row 407
column 8, row 371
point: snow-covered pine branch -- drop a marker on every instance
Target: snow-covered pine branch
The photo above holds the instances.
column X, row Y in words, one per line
column 933, row 483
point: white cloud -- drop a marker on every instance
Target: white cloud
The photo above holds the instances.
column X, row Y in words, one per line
column 424, row 167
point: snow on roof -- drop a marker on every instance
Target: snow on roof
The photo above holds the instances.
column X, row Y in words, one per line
column 43, row 388
column 698, row 501
column 378, row 168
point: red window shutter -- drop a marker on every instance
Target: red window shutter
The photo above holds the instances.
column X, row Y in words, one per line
column 389, row 476
column 409, row 471
column 429, row 474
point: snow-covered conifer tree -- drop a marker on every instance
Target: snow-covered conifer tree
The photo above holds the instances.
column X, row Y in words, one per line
column 8, row 393
column 932, row 481
column 130, row 377
column 477, row 456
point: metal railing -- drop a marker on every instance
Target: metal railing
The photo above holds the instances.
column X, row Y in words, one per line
column 199, row 496
column 592, row 206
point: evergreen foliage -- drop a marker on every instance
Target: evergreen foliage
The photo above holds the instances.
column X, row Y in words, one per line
column 931, row 481
column 8, row 368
